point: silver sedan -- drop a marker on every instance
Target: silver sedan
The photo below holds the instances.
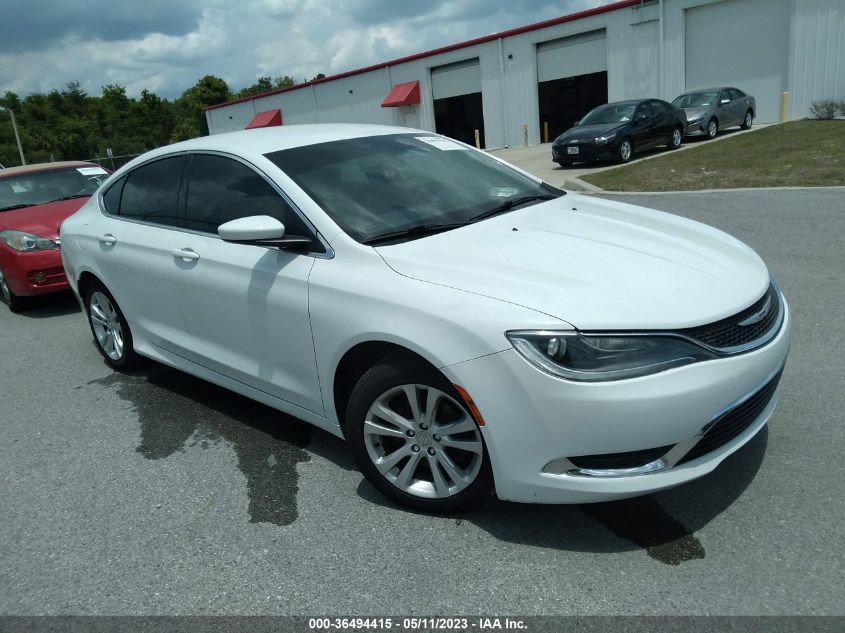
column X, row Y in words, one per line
column 713, row 109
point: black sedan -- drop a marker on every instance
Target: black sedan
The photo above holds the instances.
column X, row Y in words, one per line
column 617, row 130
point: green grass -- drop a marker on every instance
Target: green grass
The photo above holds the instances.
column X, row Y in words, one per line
column 795, row 154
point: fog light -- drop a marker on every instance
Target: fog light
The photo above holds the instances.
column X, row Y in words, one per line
column 39, row 277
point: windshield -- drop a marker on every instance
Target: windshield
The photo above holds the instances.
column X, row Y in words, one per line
column 696, row 99
column 610, row 113
column 379, row 184
column 27, row 189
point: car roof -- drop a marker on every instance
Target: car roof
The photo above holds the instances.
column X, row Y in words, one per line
column 260, row 141
column 36, row 167
column 690, row 92
column 626, row 102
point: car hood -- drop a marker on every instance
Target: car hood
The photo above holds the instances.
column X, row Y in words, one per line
column 693, row 113
column 588, row 132
column 604, row 266
column 41, row 219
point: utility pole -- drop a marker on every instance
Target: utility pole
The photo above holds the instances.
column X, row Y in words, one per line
column 17, row 136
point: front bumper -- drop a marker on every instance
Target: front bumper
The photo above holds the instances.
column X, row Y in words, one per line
column 586, row 152
column 534, row 420
column 35, row 273
column 696, row 128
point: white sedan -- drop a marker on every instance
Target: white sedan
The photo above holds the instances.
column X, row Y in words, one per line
column 465, row 326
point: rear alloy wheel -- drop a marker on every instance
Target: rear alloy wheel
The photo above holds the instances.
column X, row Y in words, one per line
column 677, row 138
column 15, row 303
column 748, row 121
column 111, row 331
column 626, row 150
column 415, row 441
column 712, row 128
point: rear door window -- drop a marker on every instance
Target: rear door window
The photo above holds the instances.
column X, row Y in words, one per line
column 151, row 192
column 221, row 189
column 111, row 198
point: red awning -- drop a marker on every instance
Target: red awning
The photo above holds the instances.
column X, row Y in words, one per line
column 402, row 94
column 265, row 119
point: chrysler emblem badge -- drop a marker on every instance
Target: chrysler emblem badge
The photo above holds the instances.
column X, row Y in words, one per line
column 757, row 316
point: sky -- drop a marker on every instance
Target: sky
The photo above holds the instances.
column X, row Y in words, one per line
column 167, row 45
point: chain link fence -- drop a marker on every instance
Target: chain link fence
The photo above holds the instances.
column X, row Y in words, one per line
column 112, row 162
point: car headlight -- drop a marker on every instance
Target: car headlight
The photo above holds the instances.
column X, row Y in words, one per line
column 695, row 118
column 605, row 138
column 598, row 358
column 26, row 242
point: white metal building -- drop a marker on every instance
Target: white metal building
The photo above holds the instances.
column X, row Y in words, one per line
column 509, row 84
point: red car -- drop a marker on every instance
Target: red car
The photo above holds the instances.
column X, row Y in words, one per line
column 34, row 201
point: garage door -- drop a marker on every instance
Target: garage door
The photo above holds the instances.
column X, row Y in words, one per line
column 742, row 43
column 458, row 79
column 458, row 103
column 581, row 54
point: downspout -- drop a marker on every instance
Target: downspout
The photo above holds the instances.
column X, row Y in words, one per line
column 503, row 87
column 661, row 89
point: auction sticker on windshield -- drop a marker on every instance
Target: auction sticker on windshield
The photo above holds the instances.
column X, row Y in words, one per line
column 91, row 171
column 440, row 143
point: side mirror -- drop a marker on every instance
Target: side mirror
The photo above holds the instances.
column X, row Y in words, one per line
column 260, row 230
column 724, row 101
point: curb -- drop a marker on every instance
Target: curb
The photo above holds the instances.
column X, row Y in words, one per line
column 733, row 190
column 581, row 186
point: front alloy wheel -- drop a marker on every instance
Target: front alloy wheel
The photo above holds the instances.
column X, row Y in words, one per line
column 626, row 150
column 712, row 128
column 12, row 300
column 415, row 441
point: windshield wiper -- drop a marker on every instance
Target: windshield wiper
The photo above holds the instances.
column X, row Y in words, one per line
column 73, row 197
column 507, row 205
column 16, row 206
column 418, row 230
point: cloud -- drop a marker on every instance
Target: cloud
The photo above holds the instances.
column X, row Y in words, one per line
column 36, row 24
column 165, row 46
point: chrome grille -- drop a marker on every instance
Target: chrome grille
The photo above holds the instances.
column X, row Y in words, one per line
column 741, row 329
column 732, row 423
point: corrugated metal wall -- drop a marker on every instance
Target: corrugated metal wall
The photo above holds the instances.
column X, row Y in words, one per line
column 817, row 63
column 742, row 43
column 816, row 69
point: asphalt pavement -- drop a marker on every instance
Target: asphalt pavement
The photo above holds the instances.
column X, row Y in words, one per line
column 157, row 493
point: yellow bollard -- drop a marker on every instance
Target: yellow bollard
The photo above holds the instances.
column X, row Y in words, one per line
column 784, row 106
column 477, row 139
column 545, row 131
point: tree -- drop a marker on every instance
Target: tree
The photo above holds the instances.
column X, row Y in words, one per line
column 264, row 84
column 208, row 91
column 284, row 82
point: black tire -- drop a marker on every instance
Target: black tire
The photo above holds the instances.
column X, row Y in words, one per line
column 378, row 383
column 127, row 359
column 14, row 302
column 712, row 128
column 624, row 155
column 677, row 138
column 748, row 120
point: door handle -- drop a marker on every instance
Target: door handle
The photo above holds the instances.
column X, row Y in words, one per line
column 108, row 239
column 185, row 253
